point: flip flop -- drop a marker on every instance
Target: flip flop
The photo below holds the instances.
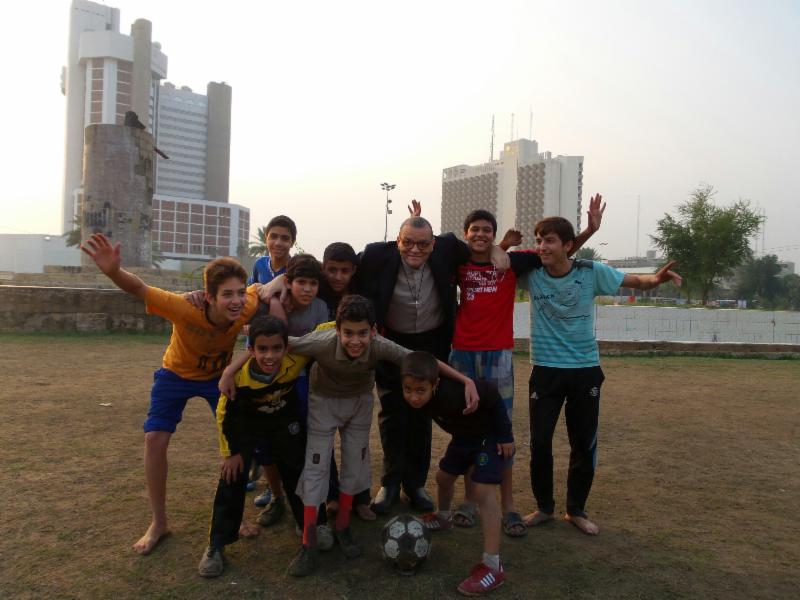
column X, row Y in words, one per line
column 465, row 515
column 514, row 526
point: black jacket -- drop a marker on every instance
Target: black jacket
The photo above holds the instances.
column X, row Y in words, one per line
column 379, row 265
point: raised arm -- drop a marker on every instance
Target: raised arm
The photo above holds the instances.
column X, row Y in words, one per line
column 648, row 282
column 107, row 258
column 595, row 214
column 513, row 237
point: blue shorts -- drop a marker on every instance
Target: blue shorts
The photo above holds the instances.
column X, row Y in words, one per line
column 169, row 396
column 482, row 455
column 493, row 365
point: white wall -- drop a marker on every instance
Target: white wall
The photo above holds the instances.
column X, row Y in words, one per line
column 29, row 253
column 650, row 323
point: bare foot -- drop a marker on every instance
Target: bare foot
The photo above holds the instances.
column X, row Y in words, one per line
column 537, row 518
column 365, row 513
column 584, row 524
column 151, row 538
column 248, row 530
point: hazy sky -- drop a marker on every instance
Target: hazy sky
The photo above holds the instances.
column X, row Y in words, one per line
column 332, row 98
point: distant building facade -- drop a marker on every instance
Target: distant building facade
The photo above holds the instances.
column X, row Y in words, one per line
column 520, row 188
column 108, row 74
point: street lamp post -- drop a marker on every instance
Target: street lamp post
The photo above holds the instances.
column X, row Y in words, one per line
column 387, row 187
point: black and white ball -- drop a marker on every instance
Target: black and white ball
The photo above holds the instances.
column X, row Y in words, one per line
column 406, row 543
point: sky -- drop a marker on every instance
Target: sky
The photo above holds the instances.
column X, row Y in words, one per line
column 332, row 98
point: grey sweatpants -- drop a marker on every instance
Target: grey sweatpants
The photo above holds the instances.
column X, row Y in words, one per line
column 353, row 418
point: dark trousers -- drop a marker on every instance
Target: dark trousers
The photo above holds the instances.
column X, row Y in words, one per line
column 405, row 434
column 549, row 388
column 288, row 449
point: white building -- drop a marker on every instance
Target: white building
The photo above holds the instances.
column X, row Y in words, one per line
column 109, row 73
column 30, row 252
column 520, row 188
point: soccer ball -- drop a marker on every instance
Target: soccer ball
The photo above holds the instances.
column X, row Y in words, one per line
column 406, row 543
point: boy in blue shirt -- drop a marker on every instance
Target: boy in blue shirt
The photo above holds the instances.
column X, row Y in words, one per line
column 566, row 363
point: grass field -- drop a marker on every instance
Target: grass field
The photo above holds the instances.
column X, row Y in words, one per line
column 697, row 490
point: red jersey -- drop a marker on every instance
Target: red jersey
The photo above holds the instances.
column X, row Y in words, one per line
column 485, row 317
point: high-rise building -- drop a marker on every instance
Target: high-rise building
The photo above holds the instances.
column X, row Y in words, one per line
column 520, row 188
column 108, row 74
column 192, row 218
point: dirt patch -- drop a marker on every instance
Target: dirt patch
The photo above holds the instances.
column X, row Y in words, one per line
column 697, row 478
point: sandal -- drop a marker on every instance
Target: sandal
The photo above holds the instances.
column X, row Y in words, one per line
column 465, row 515
column 514, row 526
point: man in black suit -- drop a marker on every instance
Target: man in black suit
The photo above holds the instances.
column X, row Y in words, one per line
column 412, row 283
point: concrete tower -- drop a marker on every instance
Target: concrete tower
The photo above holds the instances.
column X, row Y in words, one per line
column 118, row 190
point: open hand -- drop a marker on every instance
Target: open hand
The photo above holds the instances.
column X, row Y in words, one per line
column 197, row 298
column 231, row 468
column 470, row 397
column 506, row 450
column 415, row 209
column 596, row 211
column 513, row 237
column 105, row 256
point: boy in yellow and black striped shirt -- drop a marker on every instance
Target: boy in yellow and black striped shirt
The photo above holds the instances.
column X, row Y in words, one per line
column 265, row 407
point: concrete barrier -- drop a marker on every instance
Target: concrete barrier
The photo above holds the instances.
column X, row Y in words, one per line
column 666, row 324
column 59, row 309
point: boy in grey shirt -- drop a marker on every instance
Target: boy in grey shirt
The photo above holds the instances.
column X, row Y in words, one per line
column 341, row 382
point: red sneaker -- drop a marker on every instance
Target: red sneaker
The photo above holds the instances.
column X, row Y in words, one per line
column 435, row 522
column 482, row 580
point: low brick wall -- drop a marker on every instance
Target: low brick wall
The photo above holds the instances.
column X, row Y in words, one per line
column 61, row 309
column 651, row 348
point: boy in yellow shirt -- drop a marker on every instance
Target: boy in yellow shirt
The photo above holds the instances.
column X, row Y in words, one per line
column 199, row 349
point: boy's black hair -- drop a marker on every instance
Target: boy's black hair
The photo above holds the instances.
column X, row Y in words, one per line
column 355, row 308
column 558, row 225
column 341, row 252
column 303, row 265
column 420, row 365
column 480, row 215
column 267, row 325
column 282, row 221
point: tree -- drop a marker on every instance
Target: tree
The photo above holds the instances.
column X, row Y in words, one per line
column 73, row 237
column 259, row 247
column 758, row 279
column 587, row 253
column 790, row 292
column 707, row 241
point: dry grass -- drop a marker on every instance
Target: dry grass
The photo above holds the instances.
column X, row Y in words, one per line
column 697, row 479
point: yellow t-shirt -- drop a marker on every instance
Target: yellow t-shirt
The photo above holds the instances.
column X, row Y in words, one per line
column 197, row 349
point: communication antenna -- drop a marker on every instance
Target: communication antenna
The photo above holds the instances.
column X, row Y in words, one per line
column 530, row 126
column 491, row 144
column 638, row 212
column 512, row 128
column 763, row 229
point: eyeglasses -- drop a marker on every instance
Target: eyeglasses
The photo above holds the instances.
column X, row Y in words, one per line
column 421, row 244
